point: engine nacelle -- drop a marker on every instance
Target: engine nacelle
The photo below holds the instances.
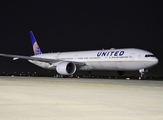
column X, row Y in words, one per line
column 66, row 68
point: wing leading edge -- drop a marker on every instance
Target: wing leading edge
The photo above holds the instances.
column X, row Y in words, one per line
column 15, row 57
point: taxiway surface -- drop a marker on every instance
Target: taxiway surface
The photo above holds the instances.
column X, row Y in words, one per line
column 40, row 98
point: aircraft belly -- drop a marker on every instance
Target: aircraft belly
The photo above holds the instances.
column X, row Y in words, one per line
column 101, row 65
column 133, row 65
column 118, row 65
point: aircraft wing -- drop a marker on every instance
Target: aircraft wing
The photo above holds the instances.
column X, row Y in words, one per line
column 15, row 57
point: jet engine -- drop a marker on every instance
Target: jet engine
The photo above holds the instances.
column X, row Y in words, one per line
column 66, row 68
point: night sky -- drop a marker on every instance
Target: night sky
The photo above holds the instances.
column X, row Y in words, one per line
column 76, row 26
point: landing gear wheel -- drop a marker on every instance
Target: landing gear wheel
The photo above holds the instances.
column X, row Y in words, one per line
column 141, row 76
column 142, row 71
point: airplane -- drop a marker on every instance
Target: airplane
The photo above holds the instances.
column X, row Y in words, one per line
column 67, row 63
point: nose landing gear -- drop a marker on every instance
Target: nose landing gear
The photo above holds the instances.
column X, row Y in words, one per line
column 142, row 71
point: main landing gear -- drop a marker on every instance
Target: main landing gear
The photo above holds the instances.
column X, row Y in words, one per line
column 142, row 71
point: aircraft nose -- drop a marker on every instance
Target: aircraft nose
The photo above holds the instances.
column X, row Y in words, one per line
column 152, row 62
column 156, row 60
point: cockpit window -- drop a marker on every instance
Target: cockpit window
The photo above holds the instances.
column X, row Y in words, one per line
column 149, row 56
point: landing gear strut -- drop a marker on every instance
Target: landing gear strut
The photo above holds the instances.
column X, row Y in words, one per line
column 142, row 71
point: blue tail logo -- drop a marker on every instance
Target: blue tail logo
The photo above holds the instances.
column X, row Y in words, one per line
column 35, row 46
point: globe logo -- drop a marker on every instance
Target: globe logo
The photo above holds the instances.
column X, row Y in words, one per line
column 36, row 49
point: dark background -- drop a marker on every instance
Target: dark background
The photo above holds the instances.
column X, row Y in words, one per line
column 75, row 26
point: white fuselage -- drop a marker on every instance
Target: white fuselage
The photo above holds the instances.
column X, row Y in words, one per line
column 110, row 59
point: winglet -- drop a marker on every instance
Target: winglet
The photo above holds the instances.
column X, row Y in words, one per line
column 35, row 46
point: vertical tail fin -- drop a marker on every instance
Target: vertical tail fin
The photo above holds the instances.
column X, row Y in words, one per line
column 35, row 46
